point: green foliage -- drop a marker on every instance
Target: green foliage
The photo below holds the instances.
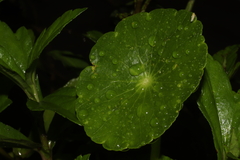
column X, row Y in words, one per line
column 85, row 157
column 4, row 90
column 93, row 35
column 18, row 56
column 49, row 34
column 227, row 58
column 62, row 101
column 68, row 59
column 141, row 74
column 9, row 137
column 221, row 107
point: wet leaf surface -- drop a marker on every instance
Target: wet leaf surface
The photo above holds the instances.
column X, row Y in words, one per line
column 141, row 74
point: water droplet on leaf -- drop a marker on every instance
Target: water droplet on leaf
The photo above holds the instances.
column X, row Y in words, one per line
column 181, row 74
column 164, row 43
column 82, row 114
column 96, row 100
column 187, row 51
column 110, row 94
column 176, row 54
column 142, row 110
column 101, row 53
column 180, row 27
column 148, row 17
column 154, row 122
column 136, row 69
column 162, row 107
column 115, row 61
column 90, row 86
column 134, row 24
column 152, row 41
column 160, row 52
column 94, row 76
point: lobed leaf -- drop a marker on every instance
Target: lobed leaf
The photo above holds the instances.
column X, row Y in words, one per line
column 141, row 74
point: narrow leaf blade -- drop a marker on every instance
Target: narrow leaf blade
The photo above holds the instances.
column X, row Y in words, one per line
column 49, row 34
column 63, row 102
column 9, row 137
column 218, row 104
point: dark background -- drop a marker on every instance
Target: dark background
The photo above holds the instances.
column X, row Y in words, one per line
column 190, row 136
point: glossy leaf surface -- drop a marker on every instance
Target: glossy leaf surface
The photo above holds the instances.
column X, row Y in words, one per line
column 141, row 74
column 9, row 137
column 14, row 49
column 221, row 107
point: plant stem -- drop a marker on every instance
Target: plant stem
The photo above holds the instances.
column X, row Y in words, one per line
column 138, row 6
column 155, row 149
column 144, row 7
column 46, row 151
column 190, row 5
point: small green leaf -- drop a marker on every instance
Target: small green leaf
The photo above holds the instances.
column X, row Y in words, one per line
column 227, row 58
column 221, row 107
column 49, row 34
column 93, row 35
column 68, row 59
column 63, row 101
column 9, row 137
column 85, row 157
column 14, row 49
column 4, row 102
column 5, row 87
column 165, row 158
column 141, row 74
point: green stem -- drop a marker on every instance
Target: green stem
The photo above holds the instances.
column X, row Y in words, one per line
column 46, row 151
column 144, row 7
column 155, row 150
column 190, row 5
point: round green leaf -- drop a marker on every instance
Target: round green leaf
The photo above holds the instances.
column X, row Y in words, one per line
column 141, row 74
